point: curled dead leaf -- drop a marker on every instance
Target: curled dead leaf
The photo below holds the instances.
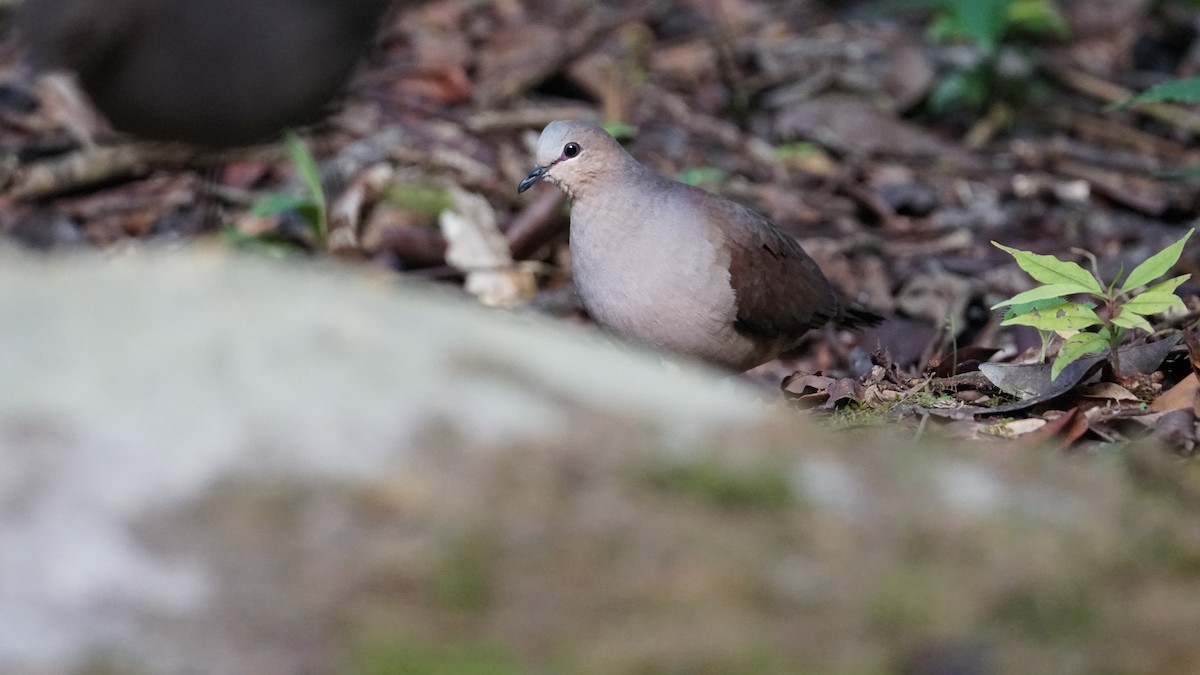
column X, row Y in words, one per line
column 799, row 384
column 1107, row 390
column 475, row 246
column 844, row 390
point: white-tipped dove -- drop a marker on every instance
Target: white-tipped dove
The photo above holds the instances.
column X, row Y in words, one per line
column 677, row 267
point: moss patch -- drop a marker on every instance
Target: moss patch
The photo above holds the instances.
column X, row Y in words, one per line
column 399, row 658
column 762, row 487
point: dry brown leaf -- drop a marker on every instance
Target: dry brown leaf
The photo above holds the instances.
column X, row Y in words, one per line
column 1107, row 390
column 844, row 390
column 877, row 396
column 475, row 246
column 345, row 212
column 1182, row 396
column 1061, row 430
column 1014, row 428
column 806, row 383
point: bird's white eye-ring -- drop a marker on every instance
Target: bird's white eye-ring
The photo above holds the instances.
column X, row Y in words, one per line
column 570, row 149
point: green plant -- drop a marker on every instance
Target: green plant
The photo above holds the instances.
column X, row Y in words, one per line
column 988, row 23
column 1049, row 307
column 764, row 487
column 309, row 205
column 1151, row 100
column 703, row 176
column 806, row 157
column 1181, row 91
column 418, row 198
column 989, row 26
column 619, row 130
column 856, row 416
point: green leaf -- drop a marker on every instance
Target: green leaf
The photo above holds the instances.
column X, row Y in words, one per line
column 1039, row 17
column 307, row 169
column 966, row 89
column 1182, row 91
column 1065, row 316
column 1076, row 347
column 702, row 175
column 944, row 27
column 420, row 198
column 798, row 149
column 1152, row 302
column 900, row 5
column 266, row 244
column 619, row 130
column 306, row 166
column 1042, row 293
column 1127, row 319
column 1156, row 265
column 1178, row 174
column 984, row 21
column 279, row 202
column 1024, row 307
column 1169, row 285
column 1050, row 270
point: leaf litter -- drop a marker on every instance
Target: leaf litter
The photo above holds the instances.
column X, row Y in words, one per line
column 806, row 113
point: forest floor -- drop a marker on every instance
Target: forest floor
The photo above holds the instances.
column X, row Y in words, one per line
column 893, row 150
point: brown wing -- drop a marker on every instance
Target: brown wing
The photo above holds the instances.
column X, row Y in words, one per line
column 781, row 292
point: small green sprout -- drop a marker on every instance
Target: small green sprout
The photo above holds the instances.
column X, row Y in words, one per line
column 311, row 204
column 990, row 27
column 619, row 130
column 703, row 176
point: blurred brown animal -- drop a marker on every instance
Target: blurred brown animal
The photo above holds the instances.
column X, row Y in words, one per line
column 210, row 72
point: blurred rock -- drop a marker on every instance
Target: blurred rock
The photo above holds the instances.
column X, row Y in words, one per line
column 212, row 72
column 223, row 465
